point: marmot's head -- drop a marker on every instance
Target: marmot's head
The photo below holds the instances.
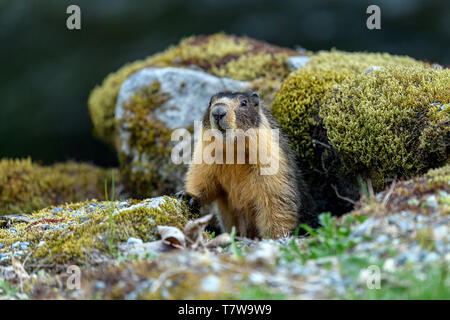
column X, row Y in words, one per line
column 233, row 110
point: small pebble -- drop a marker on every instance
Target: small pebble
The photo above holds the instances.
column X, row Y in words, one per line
column 431, row 257
column 99, row 285
column 133, row 241
column 439, row 233
column 371, row 69
column 165, row 294
column 432, row 203
column 389, row 265
column 382, row 238
column 24, row 245
column 257, row 278
column 4, row 257
column 210, row 283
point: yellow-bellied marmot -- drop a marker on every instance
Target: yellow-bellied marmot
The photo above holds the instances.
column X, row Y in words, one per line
column 258, row 205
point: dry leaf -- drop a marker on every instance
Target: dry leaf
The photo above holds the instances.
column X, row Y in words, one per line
column 192, row 237
column 221, row 240
column 172, row 236
column 193, row 230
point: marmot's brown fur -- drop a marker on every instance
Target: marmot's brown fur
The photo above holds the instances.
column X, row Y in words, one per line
column 257, row 205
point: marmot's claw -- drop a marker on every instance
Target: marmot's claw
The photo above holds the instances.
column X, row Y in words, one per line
column 191, row 201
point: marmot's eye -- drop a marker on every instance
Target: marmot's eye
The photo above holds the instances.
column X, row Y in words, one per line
column 243, row 103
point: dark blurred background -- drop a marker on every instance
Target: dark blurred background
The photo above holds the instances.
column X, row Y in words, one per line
column 48, row 71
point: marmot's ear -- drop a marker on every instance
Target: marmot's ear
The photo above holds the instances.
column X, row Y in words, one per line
column 212, row 99
column 255, row 98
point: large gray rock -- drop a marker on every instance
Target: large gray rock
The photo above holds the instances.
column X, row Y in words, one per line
column 189, row 91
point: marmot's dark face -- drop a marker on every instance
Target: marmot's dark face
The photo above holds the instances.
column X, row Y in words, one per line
column 233, row 110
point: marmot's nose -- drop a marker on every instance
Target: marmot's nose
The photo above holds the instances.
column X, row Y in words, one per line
column 219, row 112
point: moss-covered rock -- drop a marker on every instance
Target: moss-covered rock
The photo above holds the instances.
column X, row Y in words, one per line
column 398, row 115
column 83, row 232
column 299, row 100
column 137, row 107
column 375, row 116
column 26, row 186
column 239, row 58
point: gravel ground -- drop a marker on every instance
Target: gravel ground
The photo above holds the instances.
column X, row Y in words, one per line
column 392, row 250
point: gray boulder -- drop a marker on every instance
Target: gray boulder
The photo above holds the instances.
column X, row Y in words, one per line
column 151, row 104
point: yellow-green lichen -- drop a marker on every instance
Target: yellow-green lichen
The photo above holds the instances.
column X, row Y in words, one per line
column 102, row 100
column 149, row 138
column 144, row 129
column 78, row 233
column 219, row 54
column 26, row 186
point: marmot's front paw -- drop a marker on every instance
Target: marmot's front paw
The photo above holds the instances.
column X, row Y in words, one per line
column 191, row 201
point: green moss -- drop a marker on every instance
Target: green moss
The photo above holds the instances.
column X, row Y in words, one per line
column 296, row 107
column 219, row 54
column 141, row 222
column 297, row 104
column 250, row 67
column 344, row 122
column 390, row 116
column 77, row 233
column 356, row 62
column 440, row 175
column 26, row 186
